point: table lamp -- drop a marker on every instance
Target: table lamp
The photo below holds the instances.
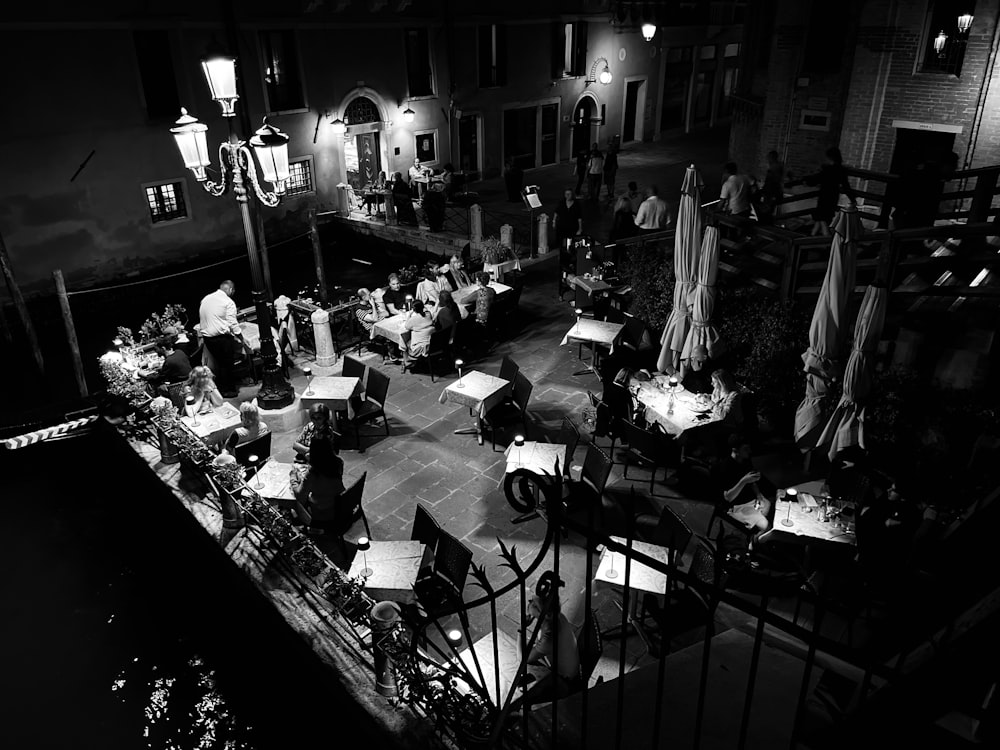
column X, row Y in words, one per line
column 579, row 314
column 192, row 412
column 458, row 366
column 519, row 443
column 672, row 384
column 409, row 301
column 454, row 638
column 307, row 371
column 791, row 496
column 611, row 572
column 252, row 460
column 364, row 545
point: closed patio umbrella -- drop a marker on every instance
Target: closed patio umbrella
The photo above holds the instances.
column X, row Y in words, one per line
column 687, row 242
column 828, row 328
column 702, row 332
column 847, row 423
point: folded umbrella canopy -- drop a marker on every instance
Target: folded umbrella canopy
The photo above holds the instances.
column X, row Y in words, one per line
column 687, row 242
column 702, row 332
column 847, row 423
column 828, row 328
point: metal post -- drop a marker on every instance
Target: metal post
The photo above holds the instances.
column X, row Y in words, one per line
column 74, row 344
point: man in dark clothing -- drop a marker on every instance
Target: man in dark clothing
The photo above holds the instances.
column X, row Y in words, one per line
column 176, row 365
column 735, row 477
column 394, row 297
column 582, row 160
column 568, row 218
column 513, row 177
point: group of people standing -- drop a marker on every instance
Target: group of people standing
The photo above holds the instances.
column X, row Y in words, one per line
column 596, row 169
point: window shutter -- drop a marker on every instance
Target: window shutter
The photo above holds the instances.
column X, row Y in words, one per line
column 580, row 51
column 558, row 49
column 501, row 72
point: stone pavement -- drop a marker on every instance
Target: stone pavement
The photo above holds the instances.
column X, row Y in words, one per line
column 459, row 481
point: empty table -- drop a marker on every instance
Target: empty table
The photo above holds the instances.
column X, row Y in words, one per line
column 335, row 392
column 215, row 426
column 507, row 664
column 393, row 569
column 611, row 571
column 596, row 333
column 273, row 481
column 687, row 410
column 480, row 392
column 530, row 467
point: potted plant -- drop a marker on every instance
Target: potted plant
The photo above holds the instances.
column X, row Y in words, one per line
column 493, row 252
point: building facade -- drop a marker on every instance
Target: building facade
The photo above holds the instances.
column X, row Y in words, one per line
column 893, row 83
column 95, row 187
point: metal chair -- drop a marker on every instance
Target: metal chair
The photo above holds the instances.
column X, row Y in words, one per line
column 354, row 368
column 649, row 447
column 372, row 407
column 593, row 479
column 442, row 588
column 349, row 511
column 438, row 347
column 515, row 409
column 508, row 368
column 259, row 446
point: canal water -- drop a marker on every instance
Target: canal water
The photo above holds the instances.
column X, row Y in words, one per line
column 125, row 626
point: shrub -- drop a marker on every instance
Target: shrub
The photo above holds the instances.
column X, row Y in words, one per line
column 650, row 273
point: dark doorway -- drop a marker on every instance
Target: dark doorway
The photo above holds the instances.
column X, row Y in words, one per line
column 550, row 124
column 581, row 125
column 632, row 89
column 468, row 143
column 519, row 133
column 918, row 156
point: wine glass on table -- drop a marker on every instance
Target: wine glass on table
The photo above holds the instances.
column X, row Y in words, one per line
column 191, row 410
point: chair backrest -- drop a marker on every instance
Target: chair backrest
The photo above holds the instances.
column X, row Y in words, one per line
column 522, row 391
column 378, row 387
column 671, row 532
column 589, row 647
column 175, row 392
column 259, row 446
column 508, row 368
column 634, row 329
column 425, row 527
column 452, row 560
column 615, row 315
column 439, row 341
column 596, row 467
column 570, row 437
column 353, row 368
column 349, row 503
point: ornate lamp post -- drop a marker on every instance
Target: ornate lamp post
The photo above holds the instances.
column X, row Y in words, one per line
column 238, row 168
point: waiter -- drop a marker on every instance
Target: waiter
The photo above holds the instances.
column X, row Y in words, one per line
column 222, row 335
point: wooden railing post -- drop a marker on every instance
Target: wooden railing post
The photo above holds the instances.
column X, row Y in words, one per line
column 982, row 197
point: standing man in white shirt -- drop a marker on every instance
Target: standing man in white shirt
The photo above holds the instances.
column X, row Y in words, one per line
column 735, row 195
column 654, row 213
column 222, row 335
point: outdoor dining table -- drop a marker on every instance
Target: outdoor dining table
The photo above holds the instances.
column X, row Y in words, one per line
column 391, row 329
column 273, row 481
column 530, row 466
column 590, row 284
column 687, row 407
column 611, row 572
column 335, row 392
column 799, row 522
column 466, row 295
column 480, row 392
column 506, row 662
column 596, row 333
column 216, row 426
column 391, row 569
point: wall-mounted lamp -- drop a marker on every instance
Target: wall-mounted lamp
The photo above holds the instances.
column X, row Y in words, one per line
column 604, row 77
column 339, row 126
column 965, row 23
column 939, row 41
column 408, row 114
column 648, row 31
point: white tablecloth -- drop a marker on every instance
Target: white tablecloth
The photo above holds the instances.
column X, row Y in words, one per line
column 394, row 567
column 805, row 524
column 466, row 295
column 333, row 391
column 536, row 457
column 217, row 425
column 686, row 406
column 273, row 481
column 391, row 328
column 641, row 577
column 479, row 391
column 594, row 331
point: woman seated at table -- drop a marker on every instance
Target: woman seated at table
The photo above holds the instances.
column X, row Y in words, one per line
column 725, row 398
column 428, row 289
column 556, row 674
column 420, row 326
column 318, row 486
column 320, row 425
column 458, row 273
column 372, row 192
column 448, row 313
column 201, row 385
column 251, row 426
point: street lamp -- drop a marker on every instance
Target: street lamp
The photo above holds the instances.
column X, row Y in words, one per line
column 237, row 166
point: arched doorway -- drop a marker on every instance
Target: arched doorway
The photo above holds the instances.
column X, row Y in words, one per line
column 586, row 123
column 366, row 138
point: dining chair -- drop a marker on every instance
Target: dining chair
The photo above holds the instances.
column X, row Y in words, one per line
column 425, row 530
column 354, row 368
column 593, row 479
column 570, row 437
column 373, row 405
column 259, row 446
column 651, row 448
column 175, row 392
column 508, row 368
column 350, row 510
column 441, row 589
column 438, row 347
column 514, row 410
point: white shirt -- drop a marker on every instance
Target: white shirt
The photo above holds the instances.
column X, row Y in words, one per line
column 218, row 315
column 736, row 192
column 652, row 213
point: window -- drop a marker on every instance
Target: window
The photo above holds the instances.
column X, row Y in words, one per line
column 282, row 77
column 732, row 50
column 707, row 52
column 944, row 47
column 361, row 110
column 425, row 146
column 824, row 50
column 165, row 201
column 156, row 73
column 418, row 63
column 569, row 49
column 813, row 120
column 492, row 56
column 299, row 176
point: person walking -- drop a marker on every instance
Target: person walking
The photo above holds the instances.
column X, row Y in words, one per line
column 581, row 170
column 567, row 219
column 595, row 173
column 222, row 335
column 736, row 193
column 832, row 181
column 653, row 214
column 610, row 170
